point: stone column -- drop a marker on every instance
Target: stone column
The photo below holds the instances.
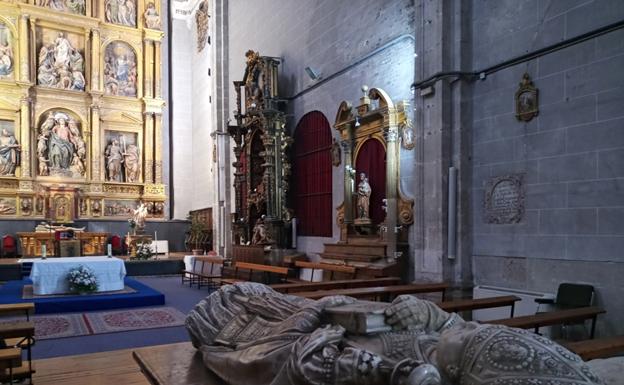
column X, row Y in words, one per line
column 157, row 71
column 96, row 152
column 24, row 68
column 148, row 147
column 349, row 180
column 25, row 136
column 392, row 184
column 158, row 178
column 148, row 65
column 95, row 60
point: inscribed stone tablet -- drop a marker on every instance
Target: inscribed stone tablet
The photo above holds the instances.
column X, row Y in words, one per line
column 504, row 199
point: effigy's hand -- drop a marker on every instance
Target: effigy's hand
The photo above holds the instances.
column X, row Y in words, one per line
column 311, row 361
column 407, row 313
column 334, row 300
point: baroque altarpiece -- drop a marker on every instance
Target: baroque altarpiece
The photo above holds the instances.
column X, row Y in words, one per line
column 80, row 109
column 262, row 167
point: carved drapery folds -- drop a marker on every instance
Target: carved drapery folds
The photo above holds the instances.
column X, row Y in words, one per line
column 261, row 179
column 80, row 108
column 202, row 17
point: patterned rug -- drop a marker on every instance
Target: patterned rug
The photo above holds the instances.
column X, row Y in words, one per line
column 72, row 325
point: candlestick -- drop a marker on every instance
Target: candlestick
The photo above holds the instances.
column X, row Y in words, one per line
column 43, row 251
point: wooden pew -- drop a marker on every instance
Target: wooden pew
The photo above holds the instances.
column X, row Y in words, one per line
column 383, row 292
column 211, row 278
column 597, row 348
column 553, row 318
column 24, row 333
column 479, row 303
column 255, row 267
column 327, row 267
column 26, row 309
column 337, row 284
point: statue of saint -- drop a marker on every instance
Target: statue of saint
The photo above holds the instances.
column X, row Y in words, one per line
column 251, row 78
column 247, row 330
column 260, row 234
column 114, row 159
column 139, row 215
column 9, row 153
column 335, row 153
column 152, row 18
column 60, row 147
column 363, row 197
column 6, row 52
column 132, row 162
column 60, row 65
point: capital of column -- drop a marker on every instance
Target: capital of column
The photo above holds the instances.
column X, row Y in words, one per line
column 391, row 135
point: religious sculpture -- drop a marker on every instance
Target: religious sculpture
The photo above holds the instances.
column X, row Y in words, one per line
column 60, row 147
column 201, row 19
column 151, row 16
column 7, row 206
column 45, row 227
column 363, row 199
column 114, row 158
column 121, row 12
column 251, row 79
column 260, row 234
column 407, row 135
column 247, row 330
column 138, row 215
column 9, row 153
column 120, row 70
column 61, row 65
column 335, row 153
column 132, row 162
column 123, row 161
column 73, row 6
column 6, row 52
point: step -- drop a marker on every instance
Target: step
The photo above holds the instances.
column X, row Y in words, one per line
column 347, row 248
column 350, row 257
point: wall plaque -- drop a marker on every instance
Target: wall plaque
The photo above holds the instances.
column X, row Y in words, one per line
column 504, row 199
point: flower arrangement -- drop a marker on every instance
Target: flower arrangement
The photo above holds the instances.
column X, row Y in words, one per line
column 143, row 251
column 82, row 280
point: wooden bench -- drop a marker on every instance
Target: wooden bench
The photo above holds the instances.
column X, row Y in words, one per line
column 266, row 271
column 380, row 292
column 213, row 276
column 26, row 309
column 479, row 303
column 24, row 333
column 553, row 318
column 350, row 270
column 597, row 348
column 337, row 284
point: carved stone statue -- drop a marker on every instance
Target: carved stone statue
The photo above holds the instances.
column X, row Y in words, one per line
column 121, row 12
column 132, row 162
column 363, row 199
column 120, row 70
column 201, row 19
column 9, row 153
column 61, row 65
column 247, row 330
column 60, row 147
column 6, row 52
column 114, row 159
column 151, row 16
column 139, row 215
column 251, row 78
column 74, row 6
column 260, row 234
column 335, row 153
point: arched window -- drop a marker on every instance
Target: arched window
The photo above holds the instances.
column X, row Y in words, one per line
column 313, row 176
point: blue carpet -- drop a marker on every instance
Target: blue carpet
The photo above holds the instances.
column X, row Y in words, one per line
column 11, row 292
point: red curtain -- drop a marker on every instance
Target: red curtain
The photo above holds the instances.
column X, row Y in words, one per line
column 312, row 174
column 371, row 160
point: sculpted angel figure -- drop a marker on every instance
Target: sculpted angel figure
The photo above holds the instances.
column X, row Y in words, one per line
column 247, row 330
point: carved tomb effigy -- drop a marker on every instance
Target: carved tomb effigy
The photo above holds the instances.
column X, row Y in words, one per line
column 80, row 111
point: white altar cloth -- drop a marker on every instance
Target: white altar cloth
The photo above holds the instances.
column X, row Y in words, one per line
column 49, row 276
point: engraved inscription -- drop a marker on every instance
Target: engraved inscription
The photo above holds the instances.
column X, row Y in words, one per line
column 504, row 199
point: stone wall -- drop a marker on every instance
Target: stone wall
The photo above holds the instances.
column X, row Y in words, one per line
column 572, row 154
column 328, row 36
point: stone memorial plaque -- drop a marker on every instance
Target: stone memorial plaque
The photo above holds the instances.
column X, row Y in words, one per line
column 504, row 199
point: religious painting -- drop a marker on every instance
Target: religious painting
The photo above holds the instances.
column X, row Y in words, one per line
column 8, row 206
column 62, row 205
column 77, row 7
column 7, row 58
column 61, row 149
column 201, row 19
column 119, row 207
column 527, row 106
column 123, row 157
column 9, row 148
column 122, row 12
column 151, row 16
column 120, row 70
column 60, row 60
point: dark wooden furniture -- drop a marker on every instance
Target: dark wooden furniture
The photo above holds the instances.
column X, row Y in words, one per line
column 18, row 337
column 244, row 271
column 479, row 303
column 597, row 348
column 91, row 243
column 553, row 318
column 338, row 284
column 383, row 293
column 174, row 364
column 327, row 267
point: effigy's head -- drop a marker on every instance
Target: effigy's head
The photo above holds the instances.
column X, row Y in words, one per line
column 473, row 353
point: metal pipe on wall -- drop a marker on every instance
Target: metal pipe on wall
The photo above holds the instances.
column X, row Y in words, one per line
column 452, row 213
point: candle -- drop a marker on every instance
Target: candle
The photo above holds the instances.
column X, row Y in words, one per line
column 109, row 250
column 43, row 251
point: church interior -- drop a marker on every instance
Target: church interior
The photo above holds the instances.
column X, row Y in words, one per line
column 311, row 192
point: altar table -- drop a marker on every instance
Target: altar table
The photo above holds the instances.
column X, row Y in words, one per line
column 49, row 276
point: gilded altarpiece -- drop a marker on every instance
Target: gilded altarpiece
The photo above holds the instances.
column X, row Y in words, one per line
column 80, row 109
